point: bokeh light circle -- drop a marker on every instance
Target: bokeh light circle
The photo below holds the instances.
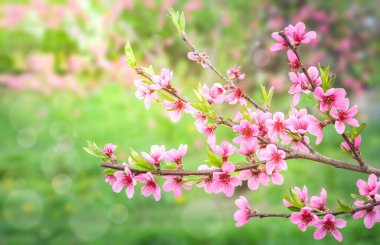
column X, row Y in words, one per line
column 61, row 183
column 23, row 209
column 201, row 219
column 26, row 137
column 89, row 221
column 118, row 213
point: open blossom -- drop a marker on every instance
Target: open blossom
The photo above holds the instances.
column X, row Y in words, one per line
column 315, row 128
column 276, row 177
column 235, row 73
column 277, row 126
column 299, row 121
column 150, row 187
column 223, row 181
column 248, row 132
column 214, row 95
column 304, row 218
column 299, row 84
column 260, row 119
column 202, row 58
column 334, row 97
column 294, row 63
column 314, row 75
column 174, row 155
column 157, row 154
column 297, row 34
column 369, row 188
column 109, row 149
column 281, row 43
column 145, row 93
column 176, row 107
column 241, row 216
column 248, row 148
column 234, row 96
column 255, row 177
column 301, row 193
column 344, row 115
column 225, row 150
column 110, row 179
column 297, row 144
column 162, row 81
column 329, row 225
column 175, row 184
column 319, row 202
column 371, row 215
column 357, row 143
column 207, row 182
column 275, row 158
column 208, row 130
column 124, row 179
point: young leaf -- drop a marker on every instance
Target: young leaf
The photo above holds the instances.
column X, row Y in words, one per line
column 343, row 207
column 213, row 159
column 141, row 163
column 131, row 59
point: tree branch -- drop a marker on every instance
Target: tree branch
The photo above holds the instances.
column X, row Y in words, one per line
column 267, row 215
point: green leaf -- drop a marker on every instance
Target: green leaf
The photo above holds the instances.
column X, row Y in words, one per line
column 178, row 19
column 343, row 207
column 94, row 150
column 165, row 95
column 109, row 171
column 294, row 209
column 141, row 162
column 327, row 80
column 170, row 166
column 213, row 159
column 297, row 201
column 131, row 59
column 191, row 180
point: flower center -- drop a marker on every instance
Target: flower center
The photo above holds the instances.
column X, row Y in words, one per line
column 224, row 178
column 276, row 157
column 329, row 226
column 278, row 126
column 329, row 99
column 307, row 218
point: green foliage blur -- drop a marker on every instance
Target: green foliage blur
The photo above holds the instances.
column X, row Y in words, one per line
column 64, row 80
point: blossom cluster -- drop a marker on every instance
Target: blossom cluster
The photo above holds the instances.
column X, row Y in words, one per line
column 310, row 210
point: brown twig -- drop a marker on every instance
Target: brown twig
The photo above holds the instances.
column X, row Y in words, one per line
column 267, row 215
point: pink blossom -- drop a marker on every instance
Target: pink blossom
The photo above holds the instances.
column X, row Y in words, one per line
column 109, row 149
column 294, row 63
column 110, row 179
column 277, row 178
column 329, row 224
column 124, row 179
column 315, row 128
column 175, row 155
column 277, row 126
column 202, row 58
column 344, row 115
column 299, row 121
column 302, row 195
column 248, row 148
column 275, row 158
column 145, row 93
column 235, row 73
column 300, row 84
column 297, row 35
column 236, row 95
column 157, row 154
column 208, row 130
column 369, row 188
column 241, row 216
column 248, row 132
column 314, row 75
column 255, row 177
column 225, row 150
column 281, row 43
column 297, row 144
column 207, row 182
column 334, row 97
column 214, row 95
column 223, row 181
column 304, row 218
column 162, row 81
column 371, row 215
column 260, row 119
column 176, row 107
column 357, row 143
column 319, row 202
column 150, row 187
column 175, row 184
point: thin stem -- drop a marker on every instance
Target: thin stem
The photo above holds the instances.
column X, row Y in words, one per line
column 267, row 215
column 357, row 156
column 217, row 72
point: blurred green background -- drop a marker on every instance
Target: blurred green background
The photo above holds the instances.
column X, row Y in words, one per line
column 64, row 80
